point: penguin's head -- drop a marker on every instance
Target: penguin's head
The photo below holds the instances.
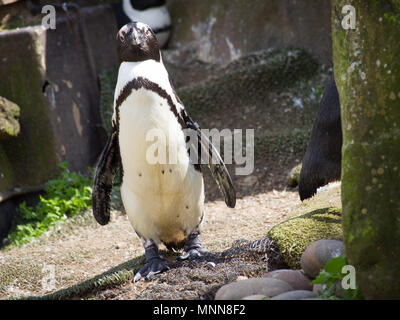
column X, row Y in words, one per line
column 137, row 42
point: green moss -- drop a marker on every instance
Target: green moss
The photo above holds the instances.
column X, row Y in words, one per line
column 294, row 176
column 296, row 234
column 367, row 72
column 317, row 218
column 9, row 115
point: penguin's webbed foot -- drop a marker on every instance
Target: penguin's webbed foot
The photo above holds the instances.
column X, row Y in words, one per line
column 155, row 263
column 193, row 249
column 152, row 267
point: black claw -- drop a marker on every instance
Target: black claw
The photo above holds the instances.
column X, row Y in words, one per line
column 152, row 267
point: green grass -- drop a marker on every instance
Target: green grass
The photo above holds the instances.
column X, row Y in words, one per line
column 64, row 197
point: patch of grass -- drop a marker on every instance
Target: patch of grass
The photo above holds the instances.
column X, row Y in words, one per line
column 64, row 197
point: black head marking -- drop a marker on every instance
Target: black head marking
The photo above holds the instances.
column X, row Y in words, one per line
column 137, row 42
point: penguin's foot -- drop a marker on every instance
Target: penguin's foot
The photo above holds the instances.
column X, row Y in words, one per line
column 152, row 267
column 193, row 249
column 155, row 263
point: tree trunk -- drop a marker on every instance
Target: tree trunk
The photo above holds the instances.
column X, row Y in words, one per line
column 367, row 73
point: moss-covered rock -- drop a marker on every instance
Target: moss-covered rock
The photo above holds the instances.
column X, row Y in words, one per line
column 294, row 177
column 9, row 115
column 320, row 218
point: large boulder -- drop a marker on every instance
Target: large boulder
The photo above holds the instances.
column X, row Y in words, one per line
column 52, row 76
column 226, row 29
column 320, row 218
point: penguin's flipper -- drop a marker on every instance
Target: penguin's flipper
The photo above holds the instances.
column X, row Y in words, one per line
column 103, row 179
column 215, row 163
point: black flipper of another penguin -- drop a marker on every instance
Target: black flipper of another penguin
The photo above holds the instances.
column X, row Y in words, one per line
column 215, row 163
column 103, row 179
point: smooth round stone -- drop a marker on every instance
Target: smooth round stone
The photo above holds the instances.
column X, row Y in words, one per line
column 256, row 297
column 295, row 295
column 256, row 286
column 318, row 253
column 296, row 278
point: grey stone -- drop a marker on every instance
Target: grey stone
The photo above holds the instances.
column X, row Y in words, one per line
column 213, row 29
column 295, row 295
column 52, row 76
column 296, row 278
column 256, row 286
column 318, row 253
column 256, row 297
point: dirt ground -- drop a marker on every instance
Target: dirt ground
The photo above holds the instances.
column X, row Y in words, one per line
column 79, row 249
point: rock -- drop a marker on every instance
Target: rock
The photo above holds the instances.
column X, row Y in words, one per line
column 256, row 297
column 295, row 295
column 58, row 97
column 213, row 29
column 296, row 278
column 293, row 178
column 256, row 286
column 9, row 116
column 318, row 254
column 293, row 236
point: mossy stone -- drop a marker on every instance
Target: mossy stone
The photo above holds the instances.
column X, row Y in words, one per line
column 294, row 177
column 9, row 115
column 319, row 219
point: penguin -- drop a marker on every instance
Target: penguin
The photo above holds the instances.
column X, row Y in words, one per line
column 322, row 162
column 164, row 202
column 151, row 12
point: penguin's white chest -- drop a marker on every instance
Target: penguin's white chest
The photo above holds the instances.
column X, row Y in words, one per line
column 162, row 193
